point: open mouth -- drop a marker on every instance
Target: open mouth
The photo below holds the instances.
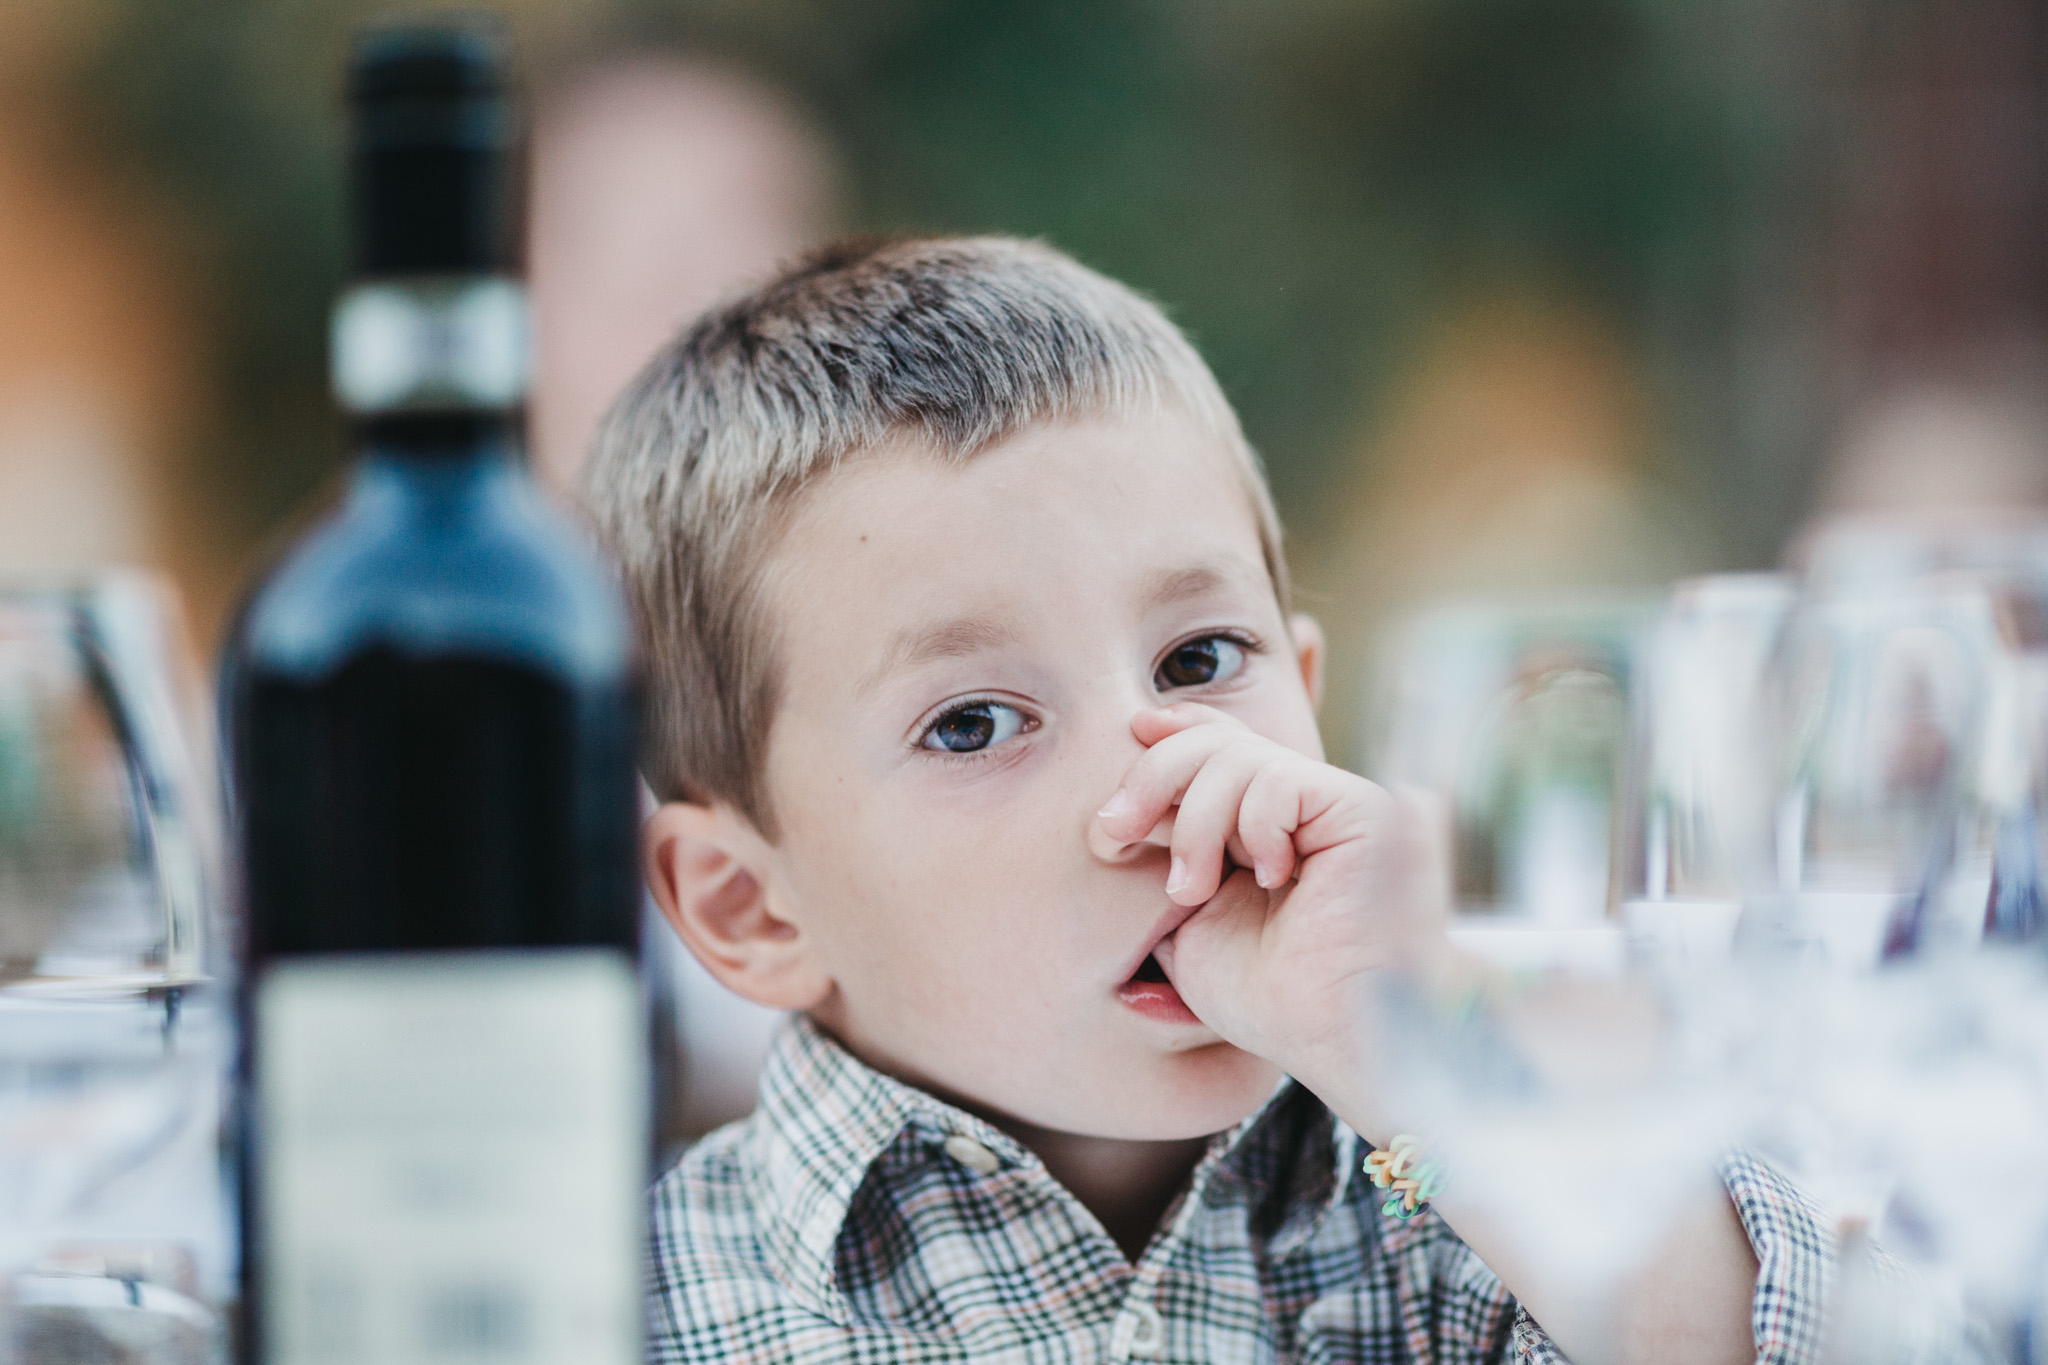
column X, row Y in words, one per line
column 1149, row 993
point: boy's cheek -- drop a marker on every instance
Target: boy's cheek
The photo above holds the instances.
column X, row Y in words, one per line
column 1286, row 720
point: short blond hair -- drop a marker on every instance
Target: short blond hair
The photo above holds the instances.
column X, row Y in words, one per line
column 956, row 344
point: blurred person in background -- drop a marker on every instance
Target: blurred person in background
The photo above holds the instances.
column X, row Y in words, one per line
column 1944, row 467
column 1958, row 443
column 658, row 187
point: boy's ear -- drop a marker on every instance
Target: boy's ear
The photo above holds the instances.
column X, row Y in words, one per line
column 1308, row 654
column 707, row 868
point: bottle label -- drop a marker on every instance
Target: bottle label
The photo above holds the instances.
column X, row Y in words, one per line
column 453, row 1151
column 430, row 343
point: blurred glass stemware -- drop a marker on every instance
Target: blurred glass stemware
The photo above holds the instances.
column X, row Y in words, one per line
column 1889, row 788
column 1580, row 1114
column 2006, row 557
column 105, row 817
column 1515, row 713
column 1896, row 850
column 1829, row 858
column 1527, row 718
column 113, row 1038
column 1690, row 820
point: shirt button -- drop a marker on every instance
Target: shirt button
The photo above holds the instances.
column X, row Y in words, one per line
column 1148, row 1331
column 972, row 1155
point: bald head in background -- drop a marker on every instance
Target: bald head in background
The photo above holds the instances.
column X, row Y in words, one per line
column 658, row 187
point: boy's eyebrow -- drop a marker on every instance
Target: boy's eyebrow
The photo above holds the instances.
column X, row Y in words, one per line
column 1177, row 585
column 951, row 639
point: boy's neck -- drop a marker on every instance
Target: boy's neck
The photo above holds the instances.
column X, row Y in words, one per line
column 1127, row 1185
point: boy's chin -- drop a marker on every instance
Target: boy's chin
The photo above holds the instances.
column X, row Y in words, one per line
column 1220, row 1088
column 1185, row 1095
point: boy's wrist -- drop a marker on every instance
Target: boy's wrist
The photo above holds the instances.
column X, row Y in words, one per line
column 1348, row 1075
column 1347, row 1068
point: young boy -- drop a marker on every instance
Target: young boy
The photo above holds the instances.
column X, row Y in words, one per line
column 986, row 746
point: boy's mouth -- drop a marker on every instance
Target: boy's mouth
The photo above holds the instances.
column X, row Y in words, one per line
column 1152, row 995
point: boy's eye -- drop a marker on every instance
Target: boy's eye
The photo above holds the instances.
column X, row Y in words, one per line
column 973, row 727
column 1212, row 658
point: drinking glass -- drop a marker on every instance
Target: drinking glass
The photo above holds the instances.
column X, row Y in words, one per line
column 2006, row 555
column 1515, row 715
column 1893, row 782
column 1584, row 1111
column 1521, row 715
column 1696, row 763
column 1890, row 739
column 113, row 1040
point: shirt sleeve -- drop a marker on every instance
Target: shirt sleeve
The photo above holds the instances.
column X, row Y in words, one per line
column 1917, row 1318
column 1530, row 1345
column 1795, row 1257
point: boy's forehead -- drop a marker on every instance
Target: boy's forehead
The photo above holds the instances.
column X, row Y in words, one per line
column 901, row 561
column 1159, row 463
column 1159, row 505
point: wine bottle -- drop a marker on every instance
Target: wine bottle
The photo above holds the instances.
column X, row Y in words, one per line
column 432, row 701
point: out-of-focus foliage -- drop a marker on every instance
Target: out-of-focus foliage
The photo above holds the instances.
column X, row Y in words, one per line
column 1301, row 181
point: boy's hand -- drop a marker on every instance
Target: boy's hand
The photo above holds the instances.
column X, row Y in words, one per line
column 1334, row 878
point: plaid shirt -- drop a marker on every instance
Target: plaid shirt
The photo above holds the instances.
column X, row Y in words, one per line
column 854, row 1218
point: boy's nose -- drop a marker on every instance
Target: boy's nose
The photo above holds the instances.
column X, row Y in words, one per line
column 1120, row 701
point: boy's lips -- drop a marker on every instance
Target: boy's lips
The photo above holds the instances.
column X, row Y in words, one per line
column 1145, row 988
column 1156, row 1000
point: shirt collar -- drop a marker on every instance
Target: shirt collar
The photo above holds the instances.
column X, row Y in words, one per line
column 1294, row 1161
column 825, row 1118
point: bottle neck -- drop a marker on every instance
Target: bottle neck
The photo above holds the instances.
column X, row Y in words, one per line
column 430, row 344
column 432, row 127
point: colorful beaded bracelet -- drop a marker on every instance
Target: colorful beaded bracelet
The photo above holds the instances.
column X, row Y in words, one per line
column 1405, row 1167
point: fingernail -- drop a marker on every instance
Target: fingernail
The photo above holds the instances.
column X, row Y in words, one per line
column 1263, row 877
column 1117, row 807
column 1176, row 877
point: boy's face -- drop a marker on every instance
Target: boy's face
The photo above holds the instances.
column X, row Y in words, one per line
column 963, row 650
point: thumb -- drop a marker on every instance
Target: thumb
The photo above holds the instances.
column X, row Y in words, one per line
column 1215, row 947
